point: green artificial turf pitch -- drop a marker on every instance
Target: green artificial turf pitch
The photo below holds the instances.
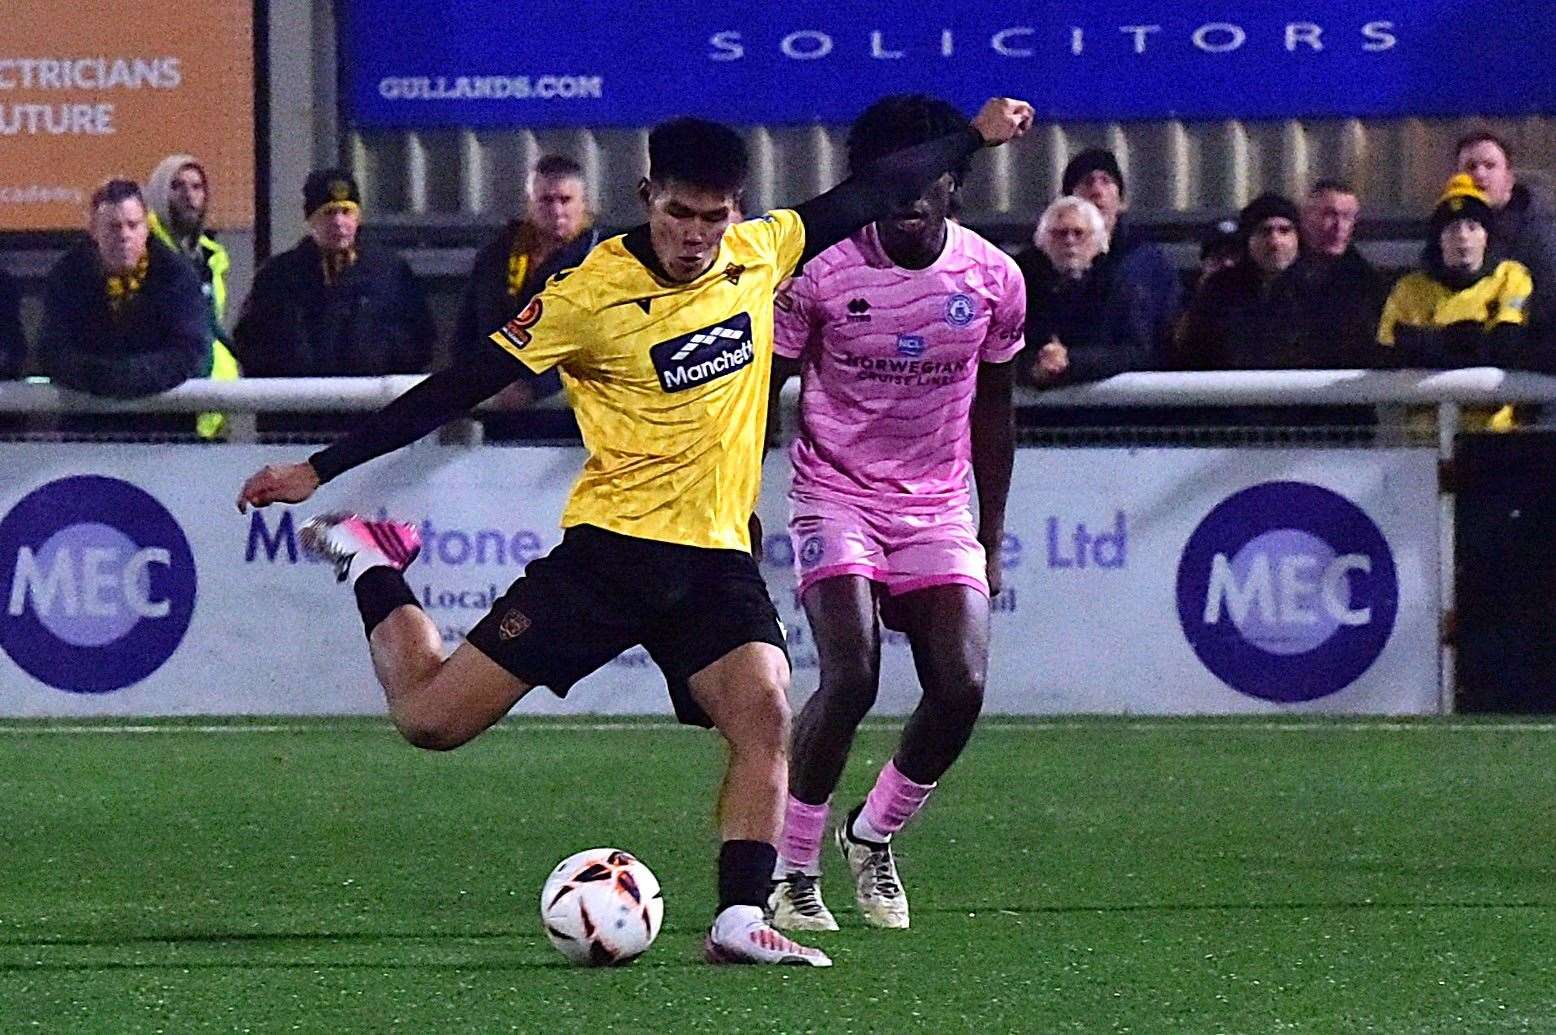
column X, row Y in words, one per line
column 1092, row 876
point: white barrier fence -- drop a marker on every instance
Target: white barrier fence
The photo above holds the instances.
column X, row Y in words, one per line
column 1471, row 386
column 1160, row 581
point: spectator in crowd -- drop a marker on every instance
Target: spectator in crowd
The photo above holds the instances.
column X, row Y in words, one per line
column 1077, row 331
column 1277, row 308
column 1220, row 247
column 1250, row 316
column 179, row 196
column 335, row 304
column 1523, row 226
column 1066, row 290
column 554, row 234
column 1464, row 307
column 1273, row 309
column 1142, row 285
column 13, row 344
column 1329, row 215
column 1337, row 277
column 122, row 314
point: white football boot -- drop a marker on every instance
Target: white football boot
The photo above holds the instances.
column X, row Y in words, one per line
column 795, row 904
column 877, row 888
column 741, row 935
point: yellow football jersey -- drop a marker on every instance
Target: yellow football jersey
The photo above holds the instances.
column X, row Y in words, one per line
column 668, row 382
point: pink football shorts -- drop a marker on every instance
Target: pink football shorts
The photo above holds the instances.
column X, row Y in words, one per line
column 901, row 552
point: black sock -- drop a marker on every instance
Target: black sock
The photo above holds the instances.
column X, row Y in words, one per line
column 379, row 591
column 745, row 870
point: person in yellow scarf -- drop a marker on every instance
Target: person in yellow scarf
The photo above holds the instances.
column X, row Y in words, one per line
column 555, row 233
column 1460, row 310
column 123, row 316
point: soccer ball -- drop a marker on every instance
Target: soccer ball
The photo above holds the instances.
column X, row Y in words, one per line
column 601, row 907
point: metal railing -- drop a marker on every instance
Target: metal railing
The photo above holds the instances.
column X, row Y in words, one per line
column 1476, row 386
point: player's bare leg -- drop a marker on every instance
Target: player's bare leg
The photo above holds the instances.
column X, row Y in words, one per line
column 436, row 704
column 745, row 694
column 841, row 611
column 948, row 628
column 440, row 708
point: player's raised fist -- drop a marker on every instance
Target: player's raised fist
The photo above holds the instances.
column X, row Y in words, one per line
column 1002, row 119
column 278, row 483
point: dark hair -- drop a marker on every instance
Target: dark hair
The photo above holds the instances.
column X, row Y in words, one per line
column 899, row 121
column 1330, row 185
column 558, row 167
column 114, row 191
column 698, row 153
column 1482, row 136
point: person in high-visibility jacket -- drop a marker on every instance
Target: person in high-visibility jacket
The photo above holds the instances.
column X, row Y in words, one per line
column 1461, row 310
column 179, row 196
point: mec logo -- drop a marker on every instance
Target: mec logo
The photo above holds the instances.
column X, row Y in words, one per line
column 98, row 583
column 1287, row 591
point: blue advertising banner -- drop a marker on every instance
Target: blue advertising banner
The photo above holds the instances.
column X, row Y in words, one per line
column 607, row 62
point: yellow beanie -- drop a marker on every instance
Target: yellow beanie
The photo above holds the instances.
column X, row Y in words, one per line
column 1461, row 199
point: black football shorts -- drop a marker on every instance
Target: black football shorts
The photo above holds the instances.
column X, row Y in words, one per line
column 599, row 593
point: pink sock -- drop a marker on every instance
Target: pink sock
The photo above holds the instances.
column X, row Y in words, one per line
column 893, row 801
column 799, row 848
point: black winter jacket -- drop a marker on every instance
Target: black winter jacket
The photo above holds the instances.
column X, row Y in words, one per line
column 487, row 305
column 373, row 321
column 1316, row 315
column 159, row 339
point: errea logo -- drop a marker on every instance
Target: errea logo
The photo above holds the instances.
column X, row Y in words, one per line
column 704, row 355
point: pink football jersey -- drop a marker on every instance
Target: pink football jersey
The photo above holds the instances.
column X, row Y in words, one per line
column 889, row 363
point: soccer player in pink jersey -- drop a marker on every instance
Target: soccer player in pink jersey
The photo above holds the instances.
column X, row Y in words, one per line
column 904, row 336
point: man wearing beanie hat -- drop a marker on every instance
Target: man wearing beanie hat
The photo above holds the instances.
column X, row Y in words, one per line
column 1144, row 296
column 335, row 304
column 1461, row 309
column 1271, row 310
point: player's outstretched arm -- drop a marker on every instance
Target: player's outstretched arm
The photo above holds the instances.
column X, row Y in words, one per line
column 868, row 195
column 420, row 411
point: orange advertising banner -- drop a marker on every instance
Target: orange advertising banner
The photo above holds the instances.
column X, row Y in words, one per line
column 89, row 92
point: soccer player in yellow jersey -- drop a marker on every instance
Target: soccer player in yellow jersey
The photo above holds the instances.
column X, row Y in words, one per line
column 664, row 340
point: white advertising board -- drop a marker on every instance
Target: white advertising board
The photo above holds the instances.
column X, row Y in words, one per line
column 1173, row 581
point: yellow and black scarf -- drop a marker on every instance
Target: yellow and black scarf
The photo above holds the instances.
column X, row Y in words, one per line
column 122, row 287
column 336, row 264
column 526, row 253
